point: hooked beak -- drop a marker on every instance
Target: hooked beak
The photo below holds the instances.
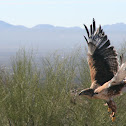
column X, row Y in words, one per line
column 83, row 92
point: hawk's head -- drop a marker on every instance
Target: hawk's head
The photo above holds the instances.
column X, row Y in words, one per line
column 87, row 92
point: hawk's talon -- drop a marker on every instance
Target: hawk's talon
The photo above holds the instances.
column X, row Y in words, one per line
column 113, row 118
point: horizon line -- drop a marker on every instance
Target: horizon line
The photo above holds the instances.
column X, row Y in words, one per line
column 56, row 25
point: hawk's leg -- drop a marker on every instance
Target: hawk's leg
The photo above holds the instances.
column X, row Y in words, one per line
column 109, row 109
column 112, row 107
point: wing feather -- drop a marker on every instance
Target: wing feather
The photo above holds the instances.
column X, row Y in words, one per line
column 102, row 57
column 94, row 27
column 120, row 76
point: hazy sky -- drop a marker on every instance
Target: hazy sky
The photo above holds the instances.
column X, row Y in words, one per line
column 62, row 12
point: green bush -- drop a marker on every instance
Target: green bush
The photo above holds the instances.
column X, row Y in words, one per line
column 40, row 95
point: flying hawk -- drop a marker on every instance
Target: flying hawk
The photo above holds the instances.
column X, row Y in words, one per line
column 107, row 77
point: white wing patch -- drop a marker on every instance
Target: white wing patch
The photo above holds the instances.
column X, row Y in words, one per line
column 120, row 75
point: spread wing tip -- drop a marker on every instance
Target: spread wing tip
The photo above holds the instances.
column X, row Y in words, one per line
column 86, row 39
column 86, row 29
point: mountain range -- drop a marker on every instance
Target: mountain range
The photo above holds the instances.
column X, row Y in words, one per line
column 47, row 38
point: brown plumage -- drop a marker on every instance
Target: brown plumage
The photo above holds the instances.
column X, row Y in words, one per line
column 107, row 77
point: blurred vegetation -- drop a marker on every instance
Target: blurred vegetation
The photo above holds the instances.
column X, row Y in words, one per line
column 46, row 94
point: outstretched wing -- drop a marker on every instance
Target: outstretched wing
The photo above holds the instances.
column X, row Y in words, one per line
column 102, row 58
column 120, row 76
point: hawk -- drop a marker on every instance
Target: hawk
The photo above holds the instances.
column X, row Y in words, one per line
column 107, row 77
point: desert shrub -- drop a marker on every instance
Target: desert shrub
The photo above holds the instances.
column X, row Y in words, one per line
column 40, row 95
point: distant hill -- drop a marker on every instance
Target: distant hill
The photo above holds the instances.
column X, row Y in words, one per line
column 115, row 27
column 47, row 38
column 44, row 37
